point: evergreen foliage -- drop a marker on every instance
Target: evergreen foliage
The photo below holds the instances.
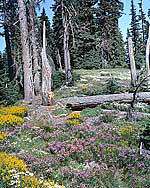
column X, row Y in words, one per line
column 86, row 51
column 98, row 41
column 9, row 91
column 108, row 14
column 135, row 30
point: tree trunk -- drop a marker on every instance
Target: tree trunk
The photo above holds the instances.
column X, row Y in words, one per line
column 11, row 66
column 36, row 68
column 66, row 46
column 47, row 95
column 148, row 56
column 59, row 60
column 77, row 103
column 28, row 77
column 132, row 62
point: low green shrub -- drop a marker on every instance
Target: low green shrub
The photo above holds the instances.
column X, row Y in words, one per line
column 113, row 86
column 91, row 112
column 107, row 117
column 145, row 135
column 58, row 79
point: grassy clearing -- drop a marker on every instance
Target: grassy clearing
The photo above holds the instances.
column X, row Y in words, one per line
column 93, row 82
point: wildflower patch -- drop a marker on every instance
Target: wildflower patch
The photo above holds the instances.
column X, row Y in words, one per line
column 14, row 110
column 74, row 119
column 10, row 120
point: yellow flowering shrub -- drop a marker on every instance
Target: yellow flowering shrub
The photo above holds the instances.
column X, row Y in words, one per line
column 128, row 135
column 111, row 150
column 2, row 136
column 34, row 182
column 8, row 166
column 14, row 172
column 54, row 184
column 30, row 182
column 14, row 110
column 84, row 88
column 11, row 120
column 127, row 131
column 74, row 119
column 74, row 115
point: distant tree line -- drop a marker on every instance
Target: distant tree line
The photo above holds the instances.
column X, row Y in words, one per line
column 84, row 34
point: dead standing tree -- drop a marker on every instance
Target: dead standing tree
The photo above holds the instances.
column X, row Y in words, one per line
column 131, row 115
column 148, row 57
column 34, row 51
column 132, row 62
column 27, row 66
column 47, row 95
column 67, row 25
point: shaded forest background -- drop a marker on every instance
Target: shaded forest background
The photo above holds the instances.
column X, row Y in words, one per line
column 94, row 40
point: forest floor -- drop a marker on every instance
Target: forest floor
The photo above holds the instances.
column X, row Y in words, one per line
column 92, row 148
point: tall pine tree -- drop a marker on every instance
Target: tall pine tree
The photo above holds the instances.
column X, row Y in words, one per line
column 136, row 37
column 111, row 43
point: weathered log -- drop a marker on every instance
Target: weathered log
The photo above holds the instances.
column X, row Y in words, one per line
column 77, row 103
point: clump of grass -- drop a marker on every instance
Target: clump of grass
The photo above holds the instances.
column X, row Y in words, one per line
column 91, row 112
column 107, row 117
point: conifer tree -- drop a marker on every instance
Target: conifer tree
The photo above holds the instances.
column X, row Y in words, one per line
column 7, row 8
column 85, row 52
column 63, row 23
column 136, row 37
column 58, row 31
column 142, row 18
column 108, row 14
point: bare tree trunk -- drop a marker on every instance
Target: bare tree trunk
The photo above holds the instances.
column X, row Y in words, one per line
column 59, row 60
column 28, row 77
column 148, row 56
column 66, row 46
column 47, row 95
column 36, row 67
column 132, row 62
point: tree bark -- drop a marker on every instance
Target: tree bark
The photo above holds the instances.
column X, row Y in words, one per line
column 148, row 56
column 66, row 46
column 92, row 101
column 47, row 95
column 132, row 62
column 28, row 77
column 59, row 60
column 36, row 68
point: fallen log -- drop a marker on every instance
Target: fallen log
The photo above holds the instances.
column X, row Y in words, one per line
column 79, row 103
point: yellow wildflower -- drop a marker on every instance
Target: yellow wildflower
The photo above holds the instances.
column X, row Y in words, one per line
column 127, row 131
column 10, row 120
column 14, row 110
column 74, row 118
column 2, row 136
